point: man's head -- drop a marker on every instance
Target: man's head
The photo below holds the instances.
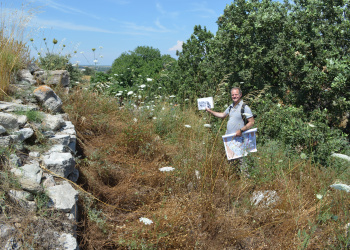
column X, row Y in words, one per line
column 236, row 94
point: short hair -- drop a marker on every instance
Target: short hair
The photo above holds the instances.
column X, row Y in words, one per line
column 239, row 89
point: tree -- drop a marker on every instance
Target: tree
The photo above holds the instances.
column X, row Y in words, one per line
column 191, row 79
column 299, row 49
column 144, row 61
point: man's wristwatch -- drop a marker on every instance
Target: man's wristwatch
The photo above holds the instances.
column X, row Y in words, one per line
column 241, row 130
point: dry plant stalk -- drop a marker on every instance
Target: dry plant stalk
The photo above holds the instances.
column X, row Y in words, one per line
column 14, row 54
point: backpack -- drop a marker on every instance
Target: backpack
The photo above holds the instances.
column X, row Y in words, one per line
column 244, row 118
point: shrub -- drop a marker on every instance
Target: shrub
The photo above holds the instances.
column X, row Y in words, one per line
column 302, row 132
column 52, row 61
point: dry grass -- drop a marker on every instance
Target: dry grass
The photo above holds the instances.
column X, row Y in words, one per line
column 213, row 211
column 14, row 53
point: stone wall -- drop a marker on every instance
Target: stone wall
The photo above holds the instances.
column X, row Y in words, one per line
column 42, row 145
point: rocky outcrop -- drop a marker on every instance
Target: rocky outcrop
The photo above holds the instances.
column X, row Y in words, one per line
column 48, row 98
column 38, row 172
column 53, row 77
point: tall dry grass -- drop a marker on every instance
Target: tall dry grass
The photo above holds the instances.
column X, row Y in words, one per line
column 204, row 203
column 14, row 53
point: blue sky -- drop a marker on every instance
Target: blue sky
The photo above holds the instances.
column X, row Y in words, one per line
column 117, row 26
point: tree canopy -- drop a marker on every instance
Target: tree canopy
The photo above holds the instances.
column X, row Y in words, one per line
column 300, row 50
column 143, row 61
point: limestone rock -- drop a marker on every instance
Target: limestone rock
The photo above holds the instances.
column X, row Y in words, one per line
column 30, row 186
column 53, row 77
column 32, row 172
column 26, row 76
column 67, row 241
column 2, row 130
column 61, row 164
column 24, row 133
column 48, row 98
column 63, row 197
column 53, row 122
column 264, row 198
column 24, row 199
column 12, row 107
column 5, row 141
column 8, row 121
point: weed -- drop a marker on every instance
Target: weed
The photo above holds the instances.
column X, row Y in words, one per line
column 32, row 115
column 98, row 217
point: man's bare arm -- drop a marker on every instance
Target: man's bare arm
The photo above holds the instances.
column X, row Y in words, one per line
column 216, row 114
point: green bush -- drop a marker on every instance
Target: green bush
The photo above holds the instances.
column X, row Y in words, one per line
column 305, row 133
column 52, row 61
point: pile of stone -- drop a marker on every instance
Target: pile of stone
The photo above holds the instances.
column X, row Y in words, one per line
column 48, row 171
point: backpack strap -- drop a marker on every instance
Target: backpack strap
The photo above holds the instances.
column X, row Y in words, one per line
column 244, row 118
column 229, row 108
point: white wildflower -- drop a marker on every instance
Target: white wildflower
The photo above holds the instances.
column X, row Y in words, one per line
column 118, row 94
column 207, row 125
column 142, row 86
column 159, row 87
column 146, row 221
column 187, row 126
column 130, row 93
column 154, row 118
column 166, row 169
column 149, row 79
column 303, row 156
column 319, row 196
column 139, row 97
column 172, row 96
column 311, row 125
column 135, row 119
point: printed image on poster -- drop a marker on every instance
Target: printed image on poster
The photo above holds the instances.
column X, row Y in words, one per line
column 239, row 146
column 206, row 102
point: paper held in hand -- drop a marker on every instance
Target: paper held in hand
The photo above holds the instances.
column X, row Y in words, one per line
column 206, row 102
column 239, row 146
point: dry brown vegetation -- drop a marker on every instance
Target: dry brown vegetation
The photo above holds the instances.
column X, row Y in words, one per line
column 120, row 169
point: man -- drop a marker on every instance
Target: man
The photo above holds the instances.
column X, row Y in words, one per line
column 235, row 123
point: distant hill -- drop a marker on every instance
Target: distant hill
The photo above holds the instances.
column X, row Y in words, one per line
column 102, row 68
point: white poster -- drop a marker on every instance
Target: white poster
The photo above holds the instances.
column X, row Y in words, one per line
column 206, row 102
column 240, row 146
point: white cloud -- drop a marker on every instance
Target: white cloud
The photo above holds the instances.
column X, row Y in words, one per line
column 65, row 8
column 134, row 26
column 178, row 46
column 202, row 10
column 166, row 13
column 67, row 25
